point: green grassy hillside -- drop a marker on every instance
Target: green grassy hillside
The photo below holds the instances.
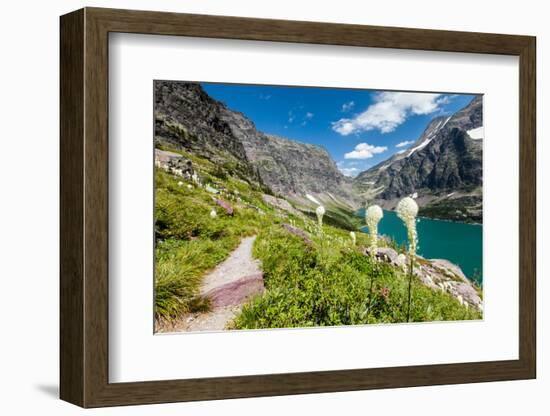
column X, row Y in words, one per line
column 324, row 281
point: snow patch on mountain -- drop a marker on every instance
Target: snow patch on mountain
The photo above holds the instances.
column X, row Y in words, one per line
column 430, row 137
column 313, row 199
column 476, row 134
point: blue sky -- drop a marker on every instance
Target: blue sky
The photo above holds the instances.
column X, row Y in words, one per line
column 359, row 128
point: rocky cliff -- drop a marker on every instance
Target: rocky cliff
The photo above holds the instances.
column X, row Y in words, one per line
column 443, row 167
column 187, row 118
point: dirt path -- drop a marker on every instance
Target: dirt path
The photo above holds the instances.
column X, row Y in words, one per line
column 228, row 286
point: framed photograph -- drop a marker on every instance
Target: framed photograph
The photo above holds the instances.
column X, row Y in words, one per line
column 255, row 207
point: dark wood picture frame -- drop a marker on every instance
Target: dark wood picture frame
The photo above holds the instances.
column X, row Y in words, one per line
column 84, row 207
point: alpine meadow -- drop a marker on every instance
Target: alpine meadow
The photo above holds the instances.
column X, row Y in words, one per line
column 294, row 207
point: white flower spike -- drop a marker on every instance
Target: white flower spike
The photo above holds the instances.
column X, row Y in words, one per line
column 407, row 210
column 373, row 215
column 353, row 237
column 213, row 214
column 320, row 211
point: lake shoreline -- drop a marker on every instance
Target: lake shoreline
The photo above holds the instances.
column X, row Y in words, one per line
column 458, row 242
column 423, row 217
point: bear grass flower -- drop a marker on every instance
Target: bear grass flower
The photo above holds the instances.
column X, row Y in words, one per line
column 353, row 237
column 196, row 179
column 320, row 211
column 213, row 213
column 407, row 210
column 373, row 215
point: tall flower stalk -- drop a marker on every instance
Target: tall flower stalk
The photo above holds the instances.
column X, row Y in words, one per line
column 373, row 215
column 353, row 238
column 407, row 210
column 320, row 211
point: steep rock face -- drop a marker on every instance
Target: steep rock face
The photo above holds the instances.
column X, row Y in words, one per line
column 444, row 167
column 186, row 117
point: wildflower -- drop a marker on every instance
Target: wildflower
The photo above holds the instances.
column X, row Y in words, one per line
column 373, row 215
column 189, row 186
column 180, row 183
column 407, row 209
column 320, row 211
column 195, row 178
column 353, row 237
column 213, row 213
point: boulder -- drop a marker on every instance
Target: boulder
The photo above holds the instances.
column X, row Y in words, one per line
column 281, row 204
column 226, row 206
column 389, row 255
column 181, row 164
column 401, row 260
column 211, row 189
column 298, row 232
column 449, row 268
column 237, row 292
column 174, row 163
column 438, row 274
column 468, row 294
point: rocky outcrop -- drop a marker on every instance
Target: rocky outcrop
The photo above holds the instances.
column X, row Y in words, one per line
column 299, row 233
column 236, row 292
column 187, row 118
column 281, row 204
column 443, row 167
column 174, row 163
column 437, row 274
column 225, row 205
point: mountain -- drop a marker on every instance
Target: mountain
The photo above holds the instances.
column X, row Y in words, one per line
column 187, row 118
column 443, row 167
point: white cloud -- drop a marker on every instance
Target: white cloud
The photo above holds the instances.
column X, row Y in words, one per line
column 405, row 143
column 349, row 168
column 389, row 111
column 309, row 115
column 291, row 117
column 365, row 151
column 349, row 171
column 348, row 106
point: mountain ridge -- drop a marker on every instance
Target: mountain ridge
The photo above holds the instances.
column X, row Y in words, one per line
column 186, row 117
column 443, row 167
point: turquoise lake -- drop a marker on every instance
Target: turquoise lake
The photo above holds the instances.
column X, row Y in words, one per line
column 457, row 242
